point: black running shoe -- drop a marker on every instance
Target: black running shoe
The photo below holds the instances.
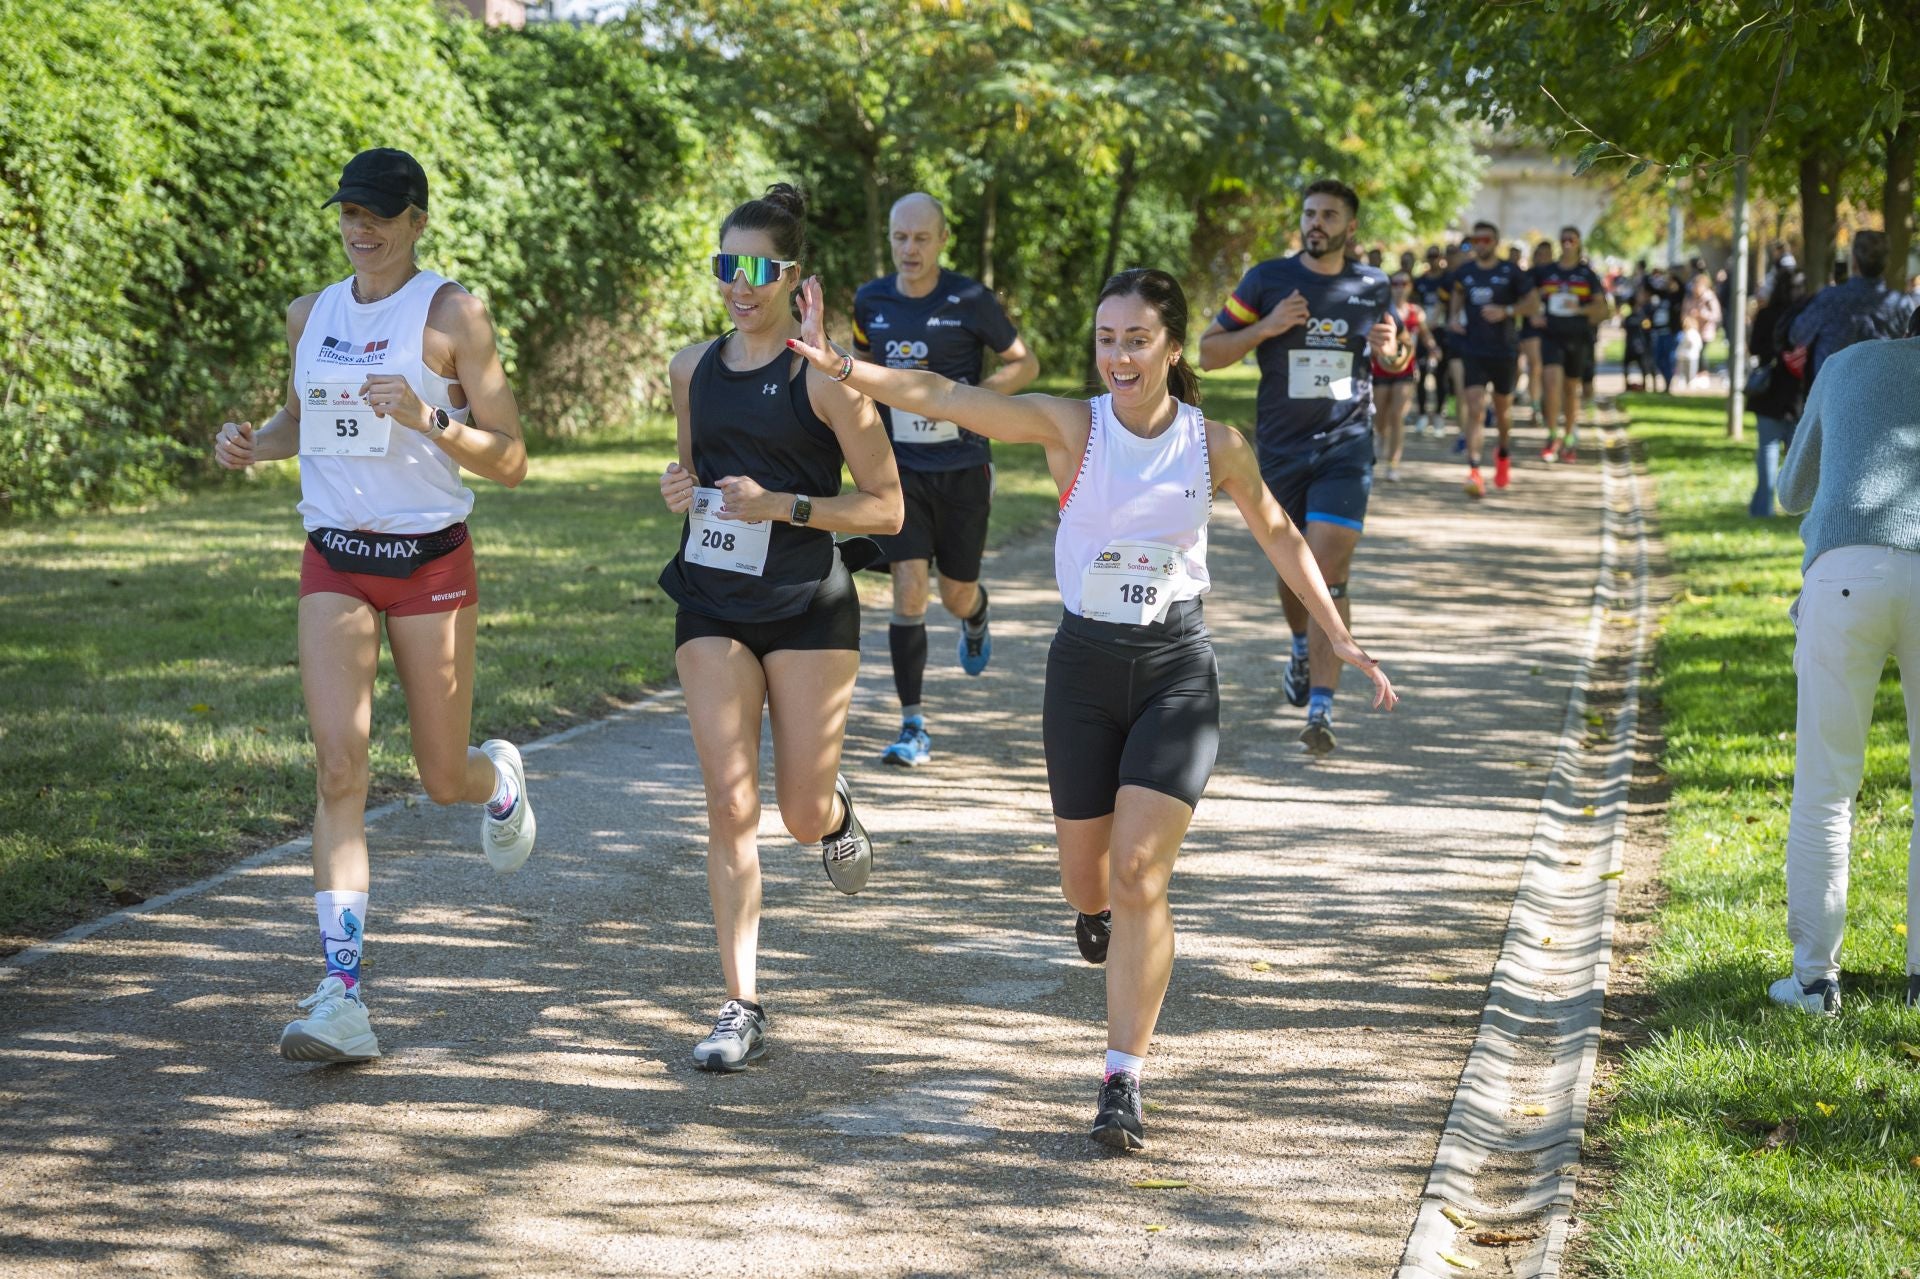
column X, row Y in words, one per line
column 1297, row 683
column 1913, row 990
column 739, row 1035
column 847, row 853
column 1093, row 932
column 1317, row 736
column 1118, row 1123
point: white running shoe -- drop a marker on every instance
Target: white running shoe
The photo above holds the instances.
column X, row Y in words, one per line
column 335, row 1027
column 1821, row 997
column 507, row 840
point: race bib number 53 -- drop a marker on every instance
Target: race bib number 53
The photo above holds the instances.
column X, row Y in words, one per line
column 733, row 546
column 336, row 422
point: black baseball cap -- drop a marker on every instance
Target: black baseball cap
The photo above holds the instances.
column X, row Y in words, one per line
column 384, row 180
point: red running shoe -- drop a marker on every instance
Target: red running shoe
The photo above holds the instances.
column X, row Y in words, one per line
column 1502, row 471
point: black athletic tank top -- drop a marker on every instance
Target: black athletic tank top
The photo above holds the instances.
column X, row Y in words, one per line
column 758, row 423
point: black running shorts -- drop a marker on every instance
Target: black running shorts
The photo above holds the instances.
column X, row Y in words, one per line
column 946, row 520
column 832, row 621
column 1130, row 706
column 1494, row 371
column 1575, row 355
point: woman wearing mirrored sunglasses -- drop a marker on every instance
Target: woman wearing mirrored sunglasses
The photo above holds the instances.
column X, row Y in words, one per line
column 1132, row 705
column 768, row 616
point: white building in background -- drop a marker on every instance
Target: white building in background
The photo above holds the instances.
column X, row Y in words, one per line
column 1529, row 193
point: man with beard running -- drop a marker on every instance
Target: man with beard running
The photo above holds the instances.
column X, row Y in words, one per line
column 1484, row 294
column 925, row 317
column 1318, row 323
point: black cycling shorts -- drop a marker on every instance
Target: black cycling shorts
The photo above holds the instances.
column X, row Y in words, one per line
column 1130, row 706
column 1496, row 372
column 946, row 520
column 832, row 621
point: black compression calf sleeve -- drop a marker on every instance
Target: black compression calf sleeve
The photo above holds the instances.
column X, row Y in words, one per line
column 908, row 645
column 979, row 613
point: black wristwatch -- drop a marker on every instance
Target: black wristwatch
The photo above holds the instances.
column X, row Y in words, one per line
column 802, row 510
column 437, row 422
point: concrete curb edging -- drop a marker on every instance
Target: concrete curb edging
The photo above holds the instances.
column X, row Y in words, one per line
column 1548, row 998
column 11, row 965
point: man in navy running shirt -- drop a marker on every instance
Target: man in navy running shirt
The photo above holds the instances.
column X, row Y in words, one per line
column 1575, row 302
column 925, row 317
column 1484, row 294
column 1315, row 321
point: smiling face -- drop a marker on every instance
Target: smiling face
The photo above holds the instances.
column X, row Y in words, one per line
column 1133, row 350
column 916, row 233
column 375, row 244
column 755, row 310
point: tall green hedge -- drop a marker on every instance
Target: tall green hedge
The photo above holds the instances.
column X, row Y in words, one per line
column 162, row 164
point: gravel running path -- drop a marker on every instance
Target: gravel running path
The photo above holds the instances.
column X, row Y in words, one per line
column 936, row 1041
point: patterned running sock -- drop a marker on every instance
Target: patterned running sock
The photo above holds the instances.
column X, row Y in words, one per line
column 343, row 917
column 1320, row 702
column 1118, row 1061
column 500, row 807
column 1300, row 647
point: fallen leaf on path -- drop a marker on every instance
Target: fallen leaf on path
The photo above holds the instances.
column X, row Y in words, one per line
column 1465, row 1263
column 1546, row 941
column 1439, row 976
column 1160, row 1183
column 1824, row 1108
column 1501, row 1238
column 1153, row 1106
column 1260, row 966
column 1154, row 1230
column 1458, row 1218
column 1613, row 874
column 1530, row 1109
column 1588, row 811
column 1039, row 848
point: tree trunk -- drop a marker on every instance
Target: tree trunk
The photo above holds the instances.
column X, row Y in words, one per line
column 876, row 220
column 1896, row 197
column 1122, row 196
column 989, row 205
column 1819, row 211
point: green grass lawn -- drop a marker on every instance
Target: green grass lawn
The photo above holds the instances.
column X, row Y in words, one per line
column 1698, row 1192
column 151, row 725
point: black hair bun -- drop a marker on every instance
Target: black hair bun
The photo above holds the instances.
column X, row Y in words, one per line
column 787, row 198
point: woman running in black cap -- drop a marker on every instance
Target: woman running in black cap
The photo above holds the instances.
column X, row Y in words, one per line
column 397, row 386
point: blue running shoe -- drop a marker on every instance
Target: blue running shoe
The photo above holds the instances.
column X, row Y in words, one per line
column 1297, row 683
column 913, row 747
column 975, row 650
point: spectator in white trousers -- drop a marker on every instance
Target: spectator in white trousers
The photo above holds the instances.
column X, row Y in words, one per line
column 1855, row 469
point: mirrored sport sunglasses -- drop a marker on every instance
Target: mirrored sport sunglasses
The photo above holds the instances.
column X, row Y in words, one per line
column 759, row 271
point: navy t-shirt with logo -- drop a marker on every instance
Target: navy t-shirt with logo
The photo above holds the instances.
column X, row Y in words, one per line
column 1502, row 284
column 949, row 332
column 1316, row 380
column 1565, row 294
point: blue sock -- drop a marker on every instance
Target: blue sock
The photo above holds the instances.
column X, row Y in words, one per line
column 1300, row 648
column 1320, row 702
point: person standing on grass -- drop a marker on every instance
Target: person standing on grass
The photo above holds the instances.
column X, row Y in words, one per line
column 1854, row 468
column 768, row 620
column 397, row 386
column 1132, row 701
column 1774, row 394
column 926, row 317
column 1857, row 308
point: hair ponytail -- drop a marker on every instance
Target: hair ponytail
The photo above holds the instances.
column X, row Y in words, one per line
column 781, row 213
column 1163, row 293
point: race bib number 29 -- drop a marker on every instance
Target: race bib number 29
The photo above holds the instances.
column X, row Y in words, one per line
column 1320, row 375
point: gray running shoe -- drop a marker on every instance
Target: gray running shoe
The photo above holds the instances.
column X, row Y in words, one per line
column 1317, row 736
column 1117, row 1122
column 847, row 853
column 335, row 1027
column 739, row 1036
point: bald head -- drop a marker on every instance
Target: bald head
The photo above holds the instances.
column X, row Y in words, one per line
column 916, row 234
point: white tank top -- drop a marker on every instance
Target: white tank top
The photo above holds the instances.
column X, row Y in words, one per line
column 415, row 487
column 1133, row 527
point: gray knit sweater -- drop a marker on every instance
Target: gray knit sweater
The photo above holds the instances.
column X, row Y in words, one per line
column 1854, row 467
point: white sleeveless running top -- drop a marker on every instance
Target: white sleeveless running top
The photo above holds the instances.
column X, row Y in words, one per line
column 1133, row 495
column 416, row 487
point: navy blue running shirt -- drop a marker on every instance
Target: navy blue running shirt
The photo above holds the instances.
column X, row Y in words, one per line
column 1310, row 396
column 949, row 332
column 1501, row 284
column 1565, row 294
